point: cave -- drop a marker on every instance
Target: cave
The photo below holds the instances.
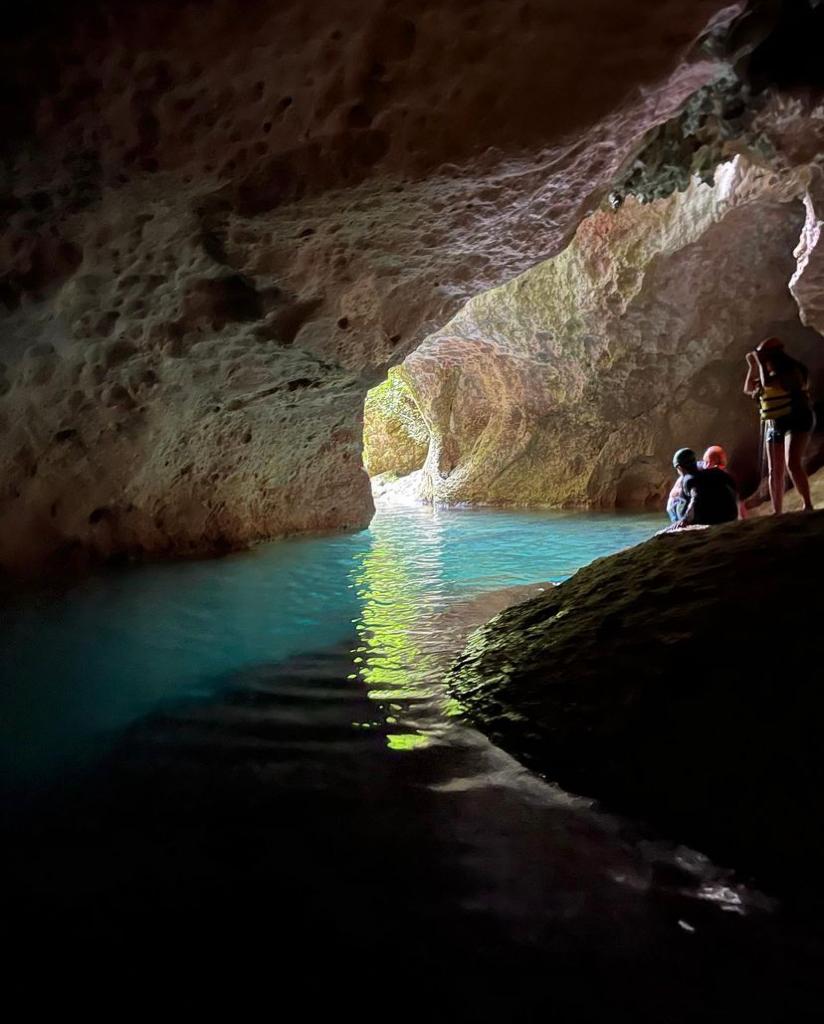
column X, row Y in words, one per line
column 347, row 649
column 573, row 384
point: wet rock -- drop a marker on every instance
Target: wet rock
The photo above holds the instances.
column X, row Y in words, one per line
column 677, row 681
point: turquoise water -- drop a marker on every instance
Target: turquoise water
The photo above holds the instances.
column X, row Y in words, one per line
column 251, row 780
column 81, row 664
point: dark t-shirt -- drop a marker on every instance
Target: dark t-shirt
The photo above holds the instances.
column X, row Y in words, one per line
column 716, row 496
column 794, row 378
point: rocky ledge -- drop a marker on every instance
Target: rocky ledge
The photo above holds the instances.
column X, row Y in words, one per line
column 677, row 681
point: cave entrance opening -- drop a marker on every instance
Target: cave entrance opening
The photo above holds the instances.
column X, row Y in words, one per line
column 572, row 385
column 396, row 436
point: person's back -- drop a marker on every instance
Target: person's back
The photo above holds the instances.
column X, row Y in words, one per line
column 793, row 376
column 712, row 496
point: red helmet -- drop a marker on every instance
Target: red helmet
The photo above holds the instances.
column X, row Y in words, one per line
column 770, row 344
column 715, row 457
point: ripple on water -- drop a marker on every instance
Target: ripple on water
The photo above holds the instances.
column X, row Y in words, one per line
column 80, row 665
column 265, row 739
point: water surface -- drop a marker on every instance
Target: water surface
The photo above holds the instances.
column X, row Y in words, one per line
column 243, row 780
column 79, row 665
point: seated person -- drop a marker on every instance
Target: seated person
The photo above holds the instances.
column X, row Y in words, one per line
column 716, row 458
column 711, row 494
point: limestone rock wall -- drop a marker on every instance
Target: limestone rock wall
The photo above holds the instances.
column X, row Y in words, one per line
column 574, row 383
column 395, row 437
column 807, row 284
column 226, row 222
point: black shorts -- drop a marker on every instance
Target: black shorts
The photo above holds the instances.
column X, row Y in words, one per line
column 799, row 421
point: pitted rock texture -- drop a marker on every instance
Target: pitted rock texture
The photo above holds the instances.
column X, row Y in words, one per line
column 222, row 222
column 574, row 383
column 666, row 683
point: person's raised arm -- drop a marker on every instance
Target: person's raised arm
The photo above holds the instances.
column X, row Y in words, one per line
column 754, row 379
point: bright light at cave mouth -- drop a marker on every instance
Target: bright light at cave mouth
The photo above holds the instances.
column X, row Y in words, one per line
column 395, row 434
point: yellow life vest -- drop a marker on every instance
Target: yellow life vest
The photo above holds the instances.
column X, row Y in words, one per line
column 774, row 402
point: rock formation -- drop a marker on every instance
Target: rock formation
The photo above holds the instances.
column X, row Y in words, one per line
column 574, row 383
column 490, row 395
column 222, row 225
column 807, row 284
column 675, row 681
column 395, row 437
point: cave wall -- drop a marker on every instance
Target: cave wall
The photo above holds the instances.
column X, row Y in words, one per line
column 807, row 284
column 395, row 436
column 222, row 225
column 574, row 383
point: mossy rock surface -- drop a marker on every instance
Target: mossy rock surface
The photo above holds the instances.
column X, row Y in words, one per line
column 395, row 437
column 680, row 682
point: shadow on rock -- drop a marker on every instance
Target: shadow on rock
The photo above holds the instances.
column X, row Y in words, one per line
column 679, row 681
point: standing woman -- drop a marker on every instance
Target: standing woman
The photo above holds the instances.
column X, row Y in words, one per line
column 780, row 383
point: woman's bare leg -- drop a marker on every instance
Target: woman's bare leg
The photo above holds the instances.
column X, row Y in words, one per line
column 796, row 446
column 777, row 467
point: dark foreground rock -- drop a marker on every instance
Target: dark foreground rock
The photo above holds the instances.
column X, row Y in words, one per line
column 680, row 681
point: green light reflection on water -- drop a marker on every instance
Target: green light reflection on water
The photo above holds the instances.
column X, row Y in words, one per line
column 390, row 656
column 407, row 741
column 420, row 564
